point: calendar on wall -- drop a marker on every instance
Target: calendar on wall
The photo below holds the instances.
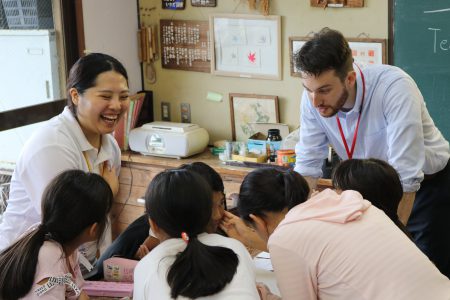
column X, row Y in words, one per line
column 185, row 45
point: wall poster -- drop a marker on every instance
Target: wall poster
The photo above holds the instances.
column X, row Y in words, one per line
column 185, row 45
column 365, row 51
column 246, row 46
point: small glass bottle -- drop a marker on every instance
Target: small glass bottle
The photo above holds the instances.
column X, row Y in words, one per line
column 273, row 135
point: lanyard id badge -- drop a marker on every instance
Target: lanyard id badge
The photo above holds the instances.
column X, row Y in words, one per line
column 355, row 135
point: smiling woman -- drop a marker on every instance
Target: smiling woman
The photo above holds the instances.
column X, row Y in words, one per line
column 78, row 138
column 99, row 108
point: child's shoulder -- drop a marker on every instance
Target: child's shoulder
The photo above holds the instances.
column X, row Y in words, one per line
column 51, row 253
column 214, row 239
column 51, row 247
column 51, row 261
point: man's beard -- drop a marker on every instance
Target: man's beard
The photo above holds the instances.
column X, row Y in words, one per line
column 334, row 109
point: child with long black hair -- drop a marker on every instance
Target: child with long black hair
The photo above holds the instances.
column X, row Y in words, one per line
column 43, row 264
column 190, row 263
column 334, row 245
column 135, row 242
column 376, row 180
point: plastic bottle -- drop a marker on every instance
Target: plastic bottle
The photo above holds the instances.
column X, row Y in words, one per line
column 273, row 136
column 286, row 157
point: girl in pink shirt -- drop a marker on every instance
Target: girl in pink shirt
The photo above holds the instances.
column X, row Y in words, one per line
column 43, row 264
column 334, row 246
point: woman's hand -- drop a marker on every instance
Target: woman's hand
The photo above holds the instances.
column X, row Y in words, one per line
column 235, row 228
column 109, row 174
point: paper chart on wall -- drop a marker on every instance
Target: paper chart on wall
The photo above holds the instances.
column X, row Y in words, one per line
column 185, row 45
column 367, row 54
column 364, row 53
column 245, row 46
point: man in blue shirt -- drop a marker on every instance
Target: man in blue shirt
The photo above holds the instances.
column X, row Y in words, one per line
column 376, row 112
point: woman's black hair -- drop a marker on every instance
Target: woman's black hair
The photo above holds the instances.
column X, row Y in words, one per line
column 270, row 190
column 209, row 174
column 72, row 202
column 84, row 73
column 376, row 180
column 180, row 201
column 327, row 50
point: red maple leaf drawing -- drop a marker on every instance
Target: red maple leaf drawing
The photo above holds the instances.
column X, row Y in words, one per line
column 252, row 57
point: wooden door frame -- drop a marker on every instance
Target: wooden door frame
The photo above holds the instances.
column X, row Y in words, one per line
column 73, row 27
column 391, row 32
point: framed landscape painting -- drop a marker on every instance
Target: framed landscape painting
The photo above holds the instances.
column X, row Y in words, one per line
column 251, row 108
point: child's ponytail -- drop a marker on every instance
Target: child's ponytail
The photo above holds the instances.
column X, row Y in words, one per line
column 201, row 270
column 18, row 265
column 180, row 203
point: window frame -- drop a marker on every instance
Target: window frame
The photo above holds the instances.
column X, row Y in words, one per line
column 73, row 41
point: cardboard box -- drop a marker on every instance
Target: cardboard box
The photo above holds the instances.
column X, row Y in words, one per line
column 264, row 128
column 250, row 157
column 119, row 269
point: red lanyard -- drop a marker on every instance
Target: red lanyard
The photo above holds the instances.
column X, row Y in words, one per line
column 355, row 136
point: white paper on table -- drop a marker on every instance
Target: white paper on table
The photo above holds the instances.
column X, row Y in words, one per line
column 262, row 261
column 264, row 272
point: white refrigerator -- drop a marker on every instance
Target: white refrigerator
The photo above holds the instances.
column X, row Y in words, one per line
column 29, row 75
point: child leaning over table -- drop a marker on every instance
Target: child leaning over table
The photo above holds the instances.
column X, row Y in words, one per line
column 135, row 242
column 190, row 263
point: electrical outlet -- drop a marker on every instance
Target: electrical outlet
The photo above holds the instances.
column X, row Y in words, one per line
column 185, row 109
column 165, row 111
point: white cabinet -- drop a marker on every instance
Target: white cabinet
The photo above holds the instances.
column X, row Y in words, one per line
column 29, row 75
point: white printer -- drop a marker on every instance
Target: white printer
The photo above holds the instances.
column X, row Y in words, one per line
column 168, row 139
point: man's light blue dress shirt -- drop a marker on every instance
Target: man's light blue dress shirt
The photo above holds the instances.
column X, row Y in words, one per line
column 395, row 126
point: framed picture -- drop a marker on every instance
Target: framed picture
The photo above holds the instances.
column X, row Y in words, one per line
column 203, row 3
column 173, row 4
column 246, row 46
column 250, row 108
column 184, row 45
column 365, row 51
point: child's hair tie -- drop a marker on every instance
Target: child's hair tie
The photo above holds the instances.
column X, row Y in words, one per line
column 185, row 237
column 49, row 236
